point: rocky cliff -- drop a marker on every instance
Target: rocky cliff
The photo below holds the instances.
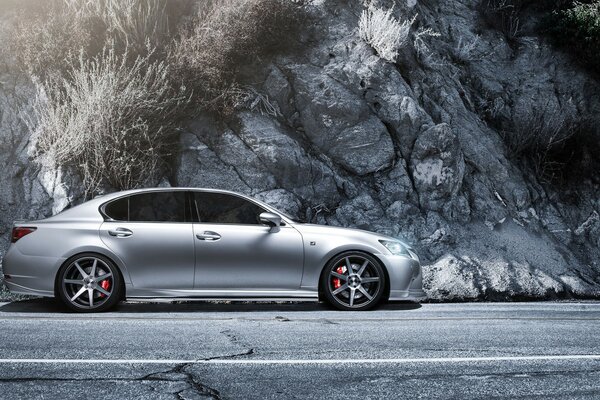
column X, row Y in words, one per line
column 415, row 149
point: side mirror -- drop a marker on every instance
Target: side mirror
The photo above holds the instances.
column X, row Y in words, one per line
column 270, row 219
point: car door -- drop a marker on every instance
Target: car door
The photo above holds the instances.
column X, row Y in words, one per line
column 235, row 251
column 151, row 233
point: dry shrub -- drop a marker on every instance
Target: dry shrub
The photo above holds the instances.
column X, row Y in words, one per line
column 383, row 32
column 53, row 35
column 464, row 51
column 226, row 37
column 539, row 135
column 132, row 23
column 504, row 15
column 577, row 157
column 111, row 112
column 49, row 38
column 113, row 122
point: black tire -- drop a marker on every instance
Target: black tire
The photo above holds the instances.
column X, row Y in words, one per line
column 367, row 279
column 71, row 271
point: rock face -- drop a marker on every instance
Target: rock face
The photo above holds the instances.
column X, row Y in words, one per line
column 406, row 149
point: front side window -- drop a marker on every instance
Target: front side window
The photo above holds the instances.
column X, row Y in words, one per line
column 222, row 208
column 149, row 207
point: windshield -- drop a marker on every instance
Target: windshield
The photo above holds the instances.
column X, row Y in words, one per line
column 293, row 219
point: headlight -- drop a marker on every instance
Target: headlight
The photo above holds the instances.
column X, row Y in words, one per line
column 396, row 248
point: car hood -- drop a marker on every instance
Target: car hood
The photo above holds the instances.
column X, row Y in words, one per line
column 338, row 230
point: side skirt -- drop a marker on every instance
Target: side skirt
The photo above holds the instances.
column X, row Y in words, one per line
column 255, row 295
column 200, row 299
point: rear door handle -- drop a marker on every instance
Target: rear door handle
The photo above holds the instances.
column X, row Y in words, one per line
column 120, row 232
column 208, row 236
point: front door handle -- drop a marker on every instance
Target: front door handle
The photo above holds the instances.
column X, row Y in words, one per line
column 120, row 232
column 208, row 236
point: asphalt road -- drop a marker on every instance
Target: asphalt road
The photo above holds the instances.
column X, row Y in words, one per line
column 301, row 350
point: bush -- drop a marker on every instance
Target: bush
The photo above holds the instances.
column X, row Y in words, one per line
column 383, row 32
column 115, row 77
column 49, row 38
column 503, row 15
column 113, row 122
column 552, row 142
column 53, row 35
column 578, row 30
column 574, row 25
column 228, row 35
column 577, row 157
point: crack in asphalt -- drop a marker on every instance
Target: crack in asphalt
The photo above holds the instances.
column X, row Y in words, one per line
column 231, row 336
column 544, row 396
column 184, row 376
column 180, row 369
column 177, row 373
column 248, row 352
column 501, row 375
column 193, row 383
column 163, row 376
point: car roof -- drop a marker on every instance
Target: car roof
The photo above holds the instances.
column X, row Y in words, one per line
column 114, row 195
column 89, row 210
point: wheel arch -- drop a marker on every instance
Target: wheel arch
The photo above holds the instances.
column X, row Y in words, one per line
column 386, row 288
column 69, row 259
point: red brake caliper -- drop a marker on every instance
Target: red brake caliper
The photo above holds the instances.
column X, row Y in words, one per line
column 336, row 281
column 105, row 284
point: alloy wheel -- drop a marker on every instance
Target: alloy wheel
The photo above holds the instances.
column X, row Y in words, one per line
column 355, row 281
column 88, row 283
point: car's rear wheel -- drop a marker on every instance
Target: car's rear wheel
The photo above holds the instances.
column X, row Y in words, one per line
column 353, row 281
column 88, row 283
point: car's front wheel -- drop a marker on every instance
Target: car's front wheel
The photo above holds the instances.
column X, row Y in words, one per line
column 353, row 281
column 89, row 282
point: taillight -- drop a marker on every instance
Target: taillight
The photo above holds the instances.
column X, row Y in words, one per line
column 19, row 231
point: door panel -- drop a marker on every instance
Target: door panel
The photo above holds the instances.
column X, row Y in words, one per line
column 157, row 255
column 231, row 256
column 152, row 233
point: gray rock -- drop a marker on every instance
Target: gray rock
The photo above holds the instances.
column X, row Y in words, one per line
column 437, row 166
column 340, row 124
column 233, row 152
column 359, row 212
column 287, row 160
column 283, row 201
column 199, row 166
column 278, row 89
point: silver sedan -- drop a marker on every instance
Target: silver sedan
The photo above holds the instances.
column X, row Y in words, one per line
column 187, row 243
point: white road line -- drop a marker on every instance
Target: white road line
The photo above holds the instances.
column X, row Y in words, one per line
column 291, row 318
column 305, row 361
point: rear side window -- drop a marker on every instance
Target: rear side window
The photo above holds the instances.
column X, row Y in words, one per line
column 157, row 207
column 118, row 209
column 150, row 207
column 221, row 208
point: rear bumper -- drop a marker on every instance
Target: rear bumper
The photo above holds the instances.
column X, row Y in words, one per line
column 20, row 289
column 29, row 275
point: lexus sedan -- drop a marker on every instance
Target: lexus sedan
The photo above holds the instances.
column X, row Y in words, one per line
column 187, row 243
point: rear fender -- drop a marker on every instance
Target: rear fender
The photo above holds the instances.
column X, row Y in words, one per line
column 102, row 251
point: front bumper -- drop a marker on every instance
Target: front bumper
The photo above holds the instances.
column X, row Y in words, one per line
column 406, row 278
column 411, row 294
